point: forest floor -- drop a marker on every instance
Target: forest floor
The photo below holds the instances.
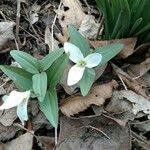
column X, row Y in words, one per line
column 120, row 122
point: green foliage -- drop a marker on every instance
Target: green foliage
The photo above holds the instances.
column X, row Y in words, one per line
column 21, row 78
column 42, row 76
column 37, row 76
column 77, row 39
column 56, row 70
column 87, row 81
column 125, row 18
column 47, row 61
column 40, row 85
column 107, row 52
column 50, row 107
column 26, row 61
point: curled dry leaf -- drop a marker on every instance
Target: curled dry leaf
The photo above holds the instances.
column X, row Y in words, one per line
column 131, row 83
column 6, row 33
column 97, row 96
column 129, row 45
column 139, row 103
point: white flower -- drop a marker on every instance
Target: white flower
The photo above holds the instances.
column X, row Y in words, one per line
column 76, row 72
column 19, row 99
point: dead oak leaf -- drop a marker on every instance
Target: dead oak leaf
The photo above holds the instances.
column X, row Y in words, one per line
column 6, row 33
column 97, row 96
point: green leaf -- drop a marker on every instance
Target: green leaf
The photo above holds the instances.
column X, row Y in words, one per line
column 87, row 81
column 47, row 61
column 77, row 39
column 109, row 51
column 125, row 17
column 56, row 70
column 50, row 107
column 135, row 26
column 104, row 6
column 145, row 28
column 40, row 85
column 21, row 78
column 117, row 26
column 26, row 61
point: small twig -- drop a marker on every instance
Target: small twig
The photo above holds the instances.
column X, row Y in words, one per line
column 56, row 137
column 52, row 27
column 17, row 46
column 89, row 126
column 89, row 8
column 7, row 80
column 18, row 21
column 22, row 127
column 142, row 142
column 122, row 82
column 3, row 15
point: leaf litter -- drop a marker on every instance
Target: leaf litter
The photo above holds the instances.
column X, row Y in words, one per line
column 119, row 112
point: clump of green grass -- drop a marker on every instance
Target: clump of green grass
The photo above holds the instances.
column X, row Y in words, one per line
column 125, row 18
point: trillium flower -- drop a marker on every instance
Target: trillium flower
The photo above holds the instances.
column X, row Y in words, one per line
column 76, row 72
column 19, row 99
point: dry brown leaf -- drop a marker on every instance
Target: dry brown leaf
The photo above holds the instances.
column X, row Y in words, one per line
column 74, row 15
column 2, row 146
column 139, row 103
column 23, row 142
column 129, row 45
column 8, row 117
column 6, row 33
column 139, row 70
column 47, row 142
column 39, row 121
column 89, row 27
column 7, row 133
column 97, row 96
column 131, row 83
column 92, row 133
column 2, row 91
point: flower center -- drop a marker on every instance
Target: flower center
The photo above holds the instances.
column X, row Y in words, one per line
column 82, row 63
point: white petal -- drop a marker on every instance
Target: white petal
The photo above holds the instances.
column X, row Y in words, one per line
column 75, row 75
column 14, row 99
column 74, row 51
column 22, row 111
column 93, row 60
